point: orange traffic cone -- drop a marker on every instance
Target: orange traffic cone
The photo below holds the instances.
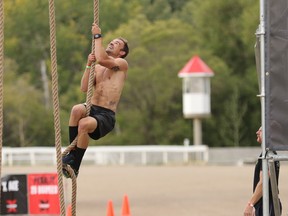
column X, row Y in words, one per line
column 69, row 210
column 110, row 210
column 125, row 207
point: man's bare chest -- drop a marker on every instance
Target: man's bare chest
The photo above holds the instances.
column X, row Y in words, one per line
column 103, row 74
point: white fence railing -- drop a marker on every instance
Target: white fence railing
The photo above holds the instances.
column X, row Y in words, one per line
column 106, row 155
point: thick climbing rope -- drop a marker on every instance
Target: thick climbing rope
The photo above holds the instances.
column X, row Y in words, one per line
column 1, row 80
column 88, row 107
column 55, row 97
column 91, row 77
column 91, row 80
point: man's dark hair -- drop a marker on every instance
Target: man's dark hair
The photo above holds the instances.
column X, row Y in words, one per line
column 125, row 48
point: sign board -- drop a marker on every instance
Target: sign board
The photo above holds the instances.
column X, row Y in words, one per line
column 14, row 195
column 32, row 194
column 43, row 194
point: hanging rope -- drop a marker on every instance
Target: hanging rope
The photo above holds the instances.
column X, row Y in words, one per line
column 56, row 109
column 1, row 80
column 91, row 77
column 55, row 97
column 88, row 108
column 91, row 81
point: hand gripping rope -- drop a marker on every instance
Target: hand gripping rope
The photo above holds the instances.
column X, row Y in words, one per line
column 56, row 108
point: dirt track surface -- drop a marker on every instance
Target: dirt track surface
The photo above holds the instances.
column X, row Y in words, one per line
column 192, row 190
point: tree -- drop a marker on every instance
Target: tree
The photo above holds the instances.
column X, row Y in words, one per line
column 221, row 26
column 26, row 121
column 163, row 35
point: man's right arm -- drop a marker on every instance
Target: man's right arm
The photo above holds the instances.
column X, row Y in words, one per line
column 86, row 74
column 256, row 196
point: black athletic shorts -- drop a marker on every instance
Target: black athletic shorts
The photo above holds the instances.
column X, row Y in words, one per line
column 105, row 121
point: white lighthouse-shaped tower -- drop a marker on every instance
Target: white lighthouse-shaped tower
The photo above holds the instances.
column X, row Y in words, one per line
column 196, row 93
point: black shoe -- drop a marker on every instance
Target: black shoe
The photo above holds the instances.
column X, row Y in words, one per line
column 69, row 160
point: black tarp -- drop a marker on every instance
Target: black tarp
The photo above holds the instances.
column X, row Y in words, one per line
column 276, row 74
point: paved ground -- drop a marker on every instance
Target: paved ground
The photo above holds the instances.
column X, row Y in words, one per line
column 194, row 190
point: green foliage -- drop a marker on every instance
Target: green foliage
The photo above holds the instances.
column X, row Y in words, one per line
column 115, row 13
column 26, row 121
column 227, row 32
column 153, row 90
column 26, row 33
column 163, row 35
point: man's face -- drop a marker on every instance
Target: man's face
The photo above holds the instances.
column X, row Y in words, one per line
column 115, row 47
column 259, row 135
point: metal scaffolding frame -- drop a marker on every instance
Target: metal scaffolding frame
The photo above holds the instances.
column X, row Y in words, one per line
column 271, row 58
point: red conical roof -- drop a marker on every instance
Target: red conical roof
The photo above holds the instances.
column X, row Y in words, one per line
column 195, row 67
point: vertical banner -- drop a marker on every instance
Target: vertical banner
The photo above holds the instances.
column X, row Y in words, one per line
column 276, row 78
column 14, row 195
column 43, row 193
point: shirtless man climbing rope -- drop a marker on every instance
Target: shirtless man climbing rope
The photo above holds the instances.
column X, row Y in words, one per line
column 110, row 75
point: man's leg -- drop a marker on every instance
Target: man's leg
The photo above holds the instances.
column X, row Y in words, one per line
column 75, row 156
column 78, row 111
column 86, row 125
